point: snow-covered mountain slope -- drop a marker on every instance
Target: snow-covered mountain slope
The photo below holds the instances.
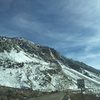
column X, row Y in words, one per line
column 24, row 64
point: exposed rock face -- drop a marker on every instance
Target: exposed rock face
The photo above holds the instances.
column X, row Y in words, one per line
column 24, row 64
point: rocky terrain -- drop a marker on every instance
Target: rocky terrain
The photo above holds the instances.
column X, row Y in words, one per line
column 26, row 65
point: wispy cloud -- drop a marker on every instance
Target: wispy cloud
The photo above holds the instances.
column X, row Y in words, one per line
column 70, row 26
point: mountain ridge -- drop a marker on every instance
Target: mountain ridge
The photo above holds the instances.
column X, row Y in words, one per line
column 30, row 65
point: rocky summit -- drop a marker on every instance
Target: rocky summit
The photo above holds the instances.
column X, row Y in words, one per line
column 27, row 65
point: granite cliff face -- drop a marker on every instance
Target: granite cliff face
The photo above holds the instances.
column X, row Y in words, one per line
column 24, row 64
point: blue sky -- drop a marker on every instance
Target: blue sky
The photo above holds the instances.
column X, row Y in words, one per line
column 72, row 27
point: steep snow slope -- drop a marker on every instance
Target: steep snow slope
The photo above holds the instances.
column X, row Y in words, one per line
column 35, row 73
column 24, row 64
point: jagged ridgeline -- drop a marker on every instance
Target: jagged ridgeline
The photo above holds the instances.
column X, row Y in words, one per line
column 24, row 64
column 7, row 44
